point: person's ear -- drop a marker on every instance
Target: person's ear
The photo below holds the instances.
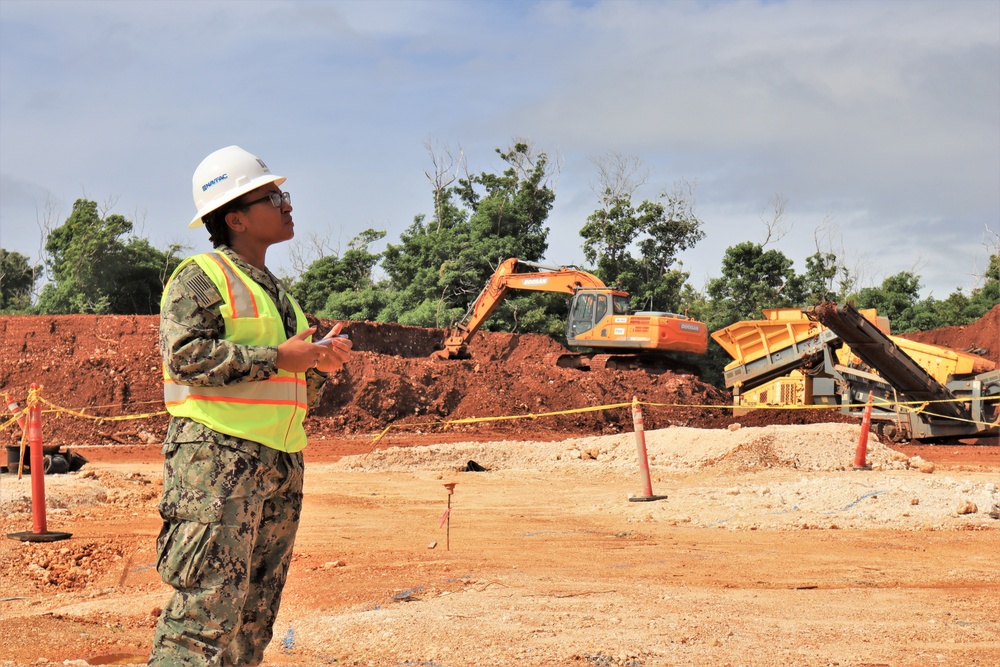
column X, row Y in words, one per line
column 235, row 221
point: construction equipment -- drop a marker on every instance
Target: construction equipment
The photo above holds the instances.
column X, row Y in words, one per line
column 830, row 355
column 600, row 319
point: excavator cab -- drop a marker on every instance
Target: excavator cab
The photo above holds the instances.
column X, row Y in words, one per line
column 583, row 315
column 590, row 308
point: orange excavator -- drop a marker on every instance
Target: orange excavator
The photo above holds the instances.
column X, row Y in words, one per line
column 600, row 319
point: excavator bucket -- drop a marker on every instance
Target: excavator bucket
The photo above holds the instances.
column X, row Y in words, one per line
column 448, row 354
column 454, row 348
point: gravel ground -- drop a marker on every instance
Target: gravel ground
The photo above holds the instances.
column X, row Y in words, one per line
column 749, row 477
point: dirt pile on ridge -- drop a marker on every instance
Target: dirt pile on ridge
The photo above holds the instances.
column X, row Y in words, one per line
column 981, row 337
column 109, row 366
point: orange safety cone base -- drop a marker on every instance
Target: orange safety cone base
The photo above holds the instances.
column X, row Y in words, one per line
column 645, row 499
column 47, row 536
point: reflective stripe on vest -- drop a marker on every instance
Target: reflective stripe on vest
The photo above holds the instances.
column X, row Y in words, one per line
column 240, row 299
column 273, row 391
column 269, row 411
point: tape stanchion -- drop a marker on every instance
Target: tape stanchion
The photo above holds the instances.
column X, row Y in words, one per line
column 41, row 533
column 640, row 443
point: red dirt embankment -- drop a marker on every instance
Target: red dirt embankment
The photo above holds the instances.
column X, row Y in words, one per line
column 109, row 366
column 980, row 337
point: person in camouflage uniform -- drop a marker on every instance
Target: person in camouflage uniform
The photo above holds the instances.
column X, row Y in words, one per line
column 231, row 504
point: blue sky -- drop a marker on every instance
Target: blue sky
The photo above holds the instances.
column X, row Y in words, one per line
column 878, row 123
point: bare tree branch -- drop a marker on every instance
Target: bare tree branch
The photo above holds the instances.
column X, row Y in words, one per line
column 773, row 217
column 618, row 176
column 138, row 218
column 301, row 254
column 828, row 241
column 108, row 205
column 173, row 250
column 446, row 166
column 46, row 220
column 991, row 242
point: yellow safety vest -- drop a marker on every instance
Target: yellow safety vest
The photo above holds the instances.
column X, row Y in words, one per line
column 270, row 411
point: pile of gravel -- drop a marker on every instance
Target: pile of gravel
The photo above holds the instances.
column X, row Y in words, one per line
column 810, row 447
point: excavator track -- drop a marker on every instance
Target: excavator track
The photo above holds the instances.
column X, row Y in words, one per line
column 620, row 362
column 566, row 360
column 603, row 362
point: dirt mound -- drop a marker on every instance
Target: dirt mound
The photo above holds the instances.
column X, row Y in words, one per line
column 109, row 367
column 982, row 337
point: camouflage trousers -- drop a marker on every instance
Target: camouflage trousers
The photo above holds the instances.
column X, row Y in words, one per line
column 229, row 524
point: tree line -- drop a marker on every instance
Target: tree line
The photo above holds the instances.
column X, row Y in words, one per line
column 95, row 263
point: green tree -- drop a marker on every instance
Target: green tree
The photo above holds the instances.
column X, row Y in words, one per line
column 752, row 279
column 818, row 282
column 334, row 274
column 98, row 266
column 365, row 304
column 958, row 309
column 440, row 266
column 635, row 247
column 673, row 229
column 17, row 281
column 417, row 283
column 897, row 298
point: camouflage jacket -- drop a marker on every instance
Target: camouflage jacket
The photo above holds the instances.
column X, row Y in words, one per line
column 195, row 352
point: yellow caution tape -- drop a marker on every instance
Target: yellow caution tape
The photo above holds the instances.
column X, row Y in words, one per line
column 445, row 423
column 920, row 407
column 34, row 397
column 7, row 423
column 83, row 415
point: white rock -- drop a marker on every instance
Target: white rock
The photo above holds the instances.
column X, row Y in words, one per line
column 966, row 507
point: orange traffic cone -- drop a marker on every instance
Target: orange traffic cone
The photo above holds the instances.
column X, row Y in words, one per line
column 861, row 455
column 41, row 532
column 640, row 444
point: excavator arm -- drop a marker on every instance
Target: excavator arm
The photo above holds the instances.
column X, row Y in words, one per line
column 512, row 274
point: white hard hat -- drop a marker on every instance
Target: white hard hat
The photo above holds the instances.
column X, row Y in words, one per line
column 225, row 175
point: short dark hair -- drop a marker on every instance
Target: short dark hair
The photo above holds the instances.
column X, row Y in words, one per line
column 215, row 222
column 218, row 231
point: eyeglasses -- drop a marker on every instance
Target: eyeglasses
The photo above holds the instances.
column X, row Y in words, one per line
column 277, row 199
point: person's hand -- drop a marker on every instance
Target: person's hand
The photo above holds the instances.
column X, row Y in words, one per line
column 297, row 355
column 338, row 350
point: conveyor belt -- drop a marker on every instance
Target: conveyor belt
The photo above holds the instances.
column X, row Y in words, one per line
column 878, row 351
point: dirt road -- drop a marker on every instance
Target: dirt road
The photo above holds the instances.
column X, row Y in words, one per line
column 768, row 550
